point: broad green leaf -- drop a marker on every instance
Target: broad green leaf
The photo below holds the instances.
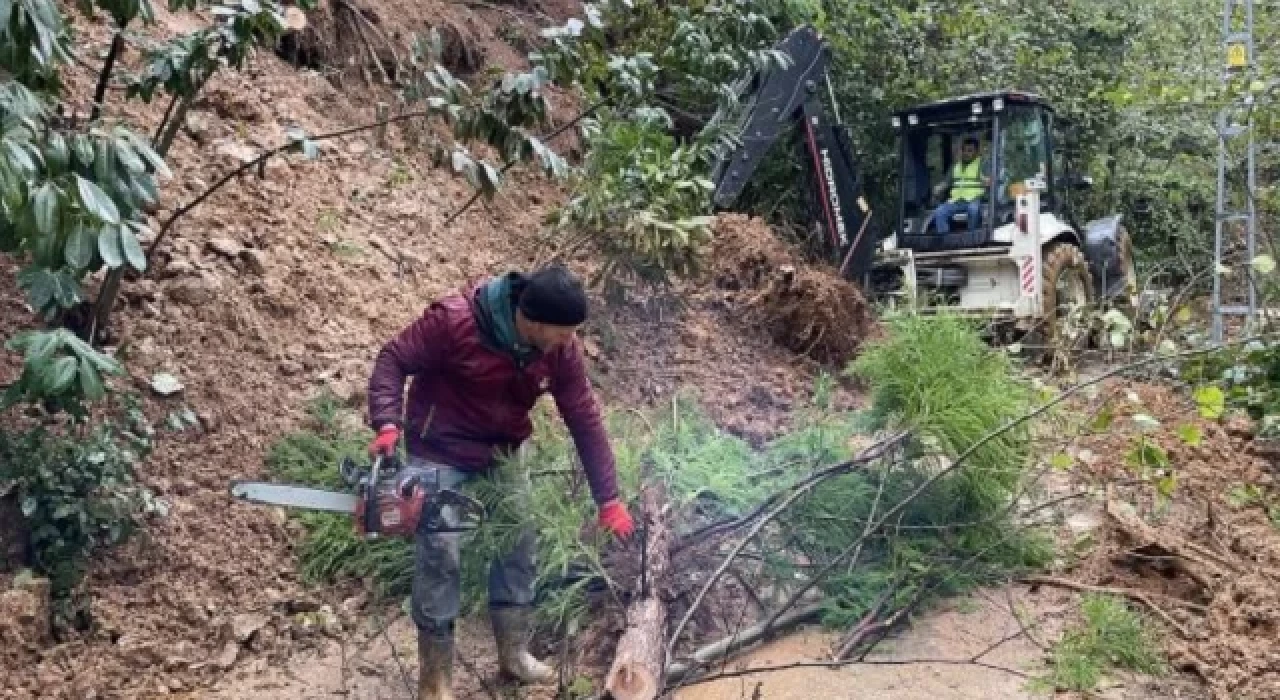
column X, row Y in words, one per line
column 90, row 382
column 1167, row 484
column 103, row 160
column 1190, row 435
column 56, row 152
column 59, row 375
column 45, row 208
column 144, row 190
column 132, row 249
column 39, row 285
column 97, row 202
column 109, row 246
column 84, row 149
column 80, row 247
column 104, row 363
column 129, row 159
column 1061, row 461
column 145, row 150
column 1211, row 402
column 1146, row 423
column 42, row 345
column 1264, row 264
column 66, row 289
column 1147, row 455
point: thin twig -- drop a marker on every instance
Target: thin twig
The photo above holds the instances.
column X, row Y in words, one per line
column 510, row 11
column 852, row 662
column 854, row 552
column 1013, row 612
column 164, row 119
column 395, row 655
column 511, row 163
column 1143, row 597
column 864, row 626
column 399, row 68
column 471, row 668
column 263, row 158
column 104, row 78
column 867, row 456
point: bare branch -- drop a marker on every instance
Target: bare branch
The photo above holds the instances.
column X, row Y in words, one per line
column 864, row 458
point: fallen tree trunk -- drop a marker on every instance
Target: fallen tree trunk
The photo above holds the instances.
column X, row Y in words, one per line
column 636, row 673
column 732, row 644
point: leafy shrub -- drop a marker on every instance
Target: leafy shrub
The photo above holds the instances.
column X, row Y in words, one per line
column 1247, row 377
column 59, row 371
column 641, row 201
column 76, row 491
column 500, row 117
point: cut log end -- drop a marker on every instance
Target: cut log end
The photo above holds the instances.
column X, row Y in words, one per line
column 632, row 681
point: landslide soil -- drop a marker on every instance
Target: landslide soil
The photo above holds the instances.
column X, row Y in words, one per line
column 280, row 287
column 1227, row 563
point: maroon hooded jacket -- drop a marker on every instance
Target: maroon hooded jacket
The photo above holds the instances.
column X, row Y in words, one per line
column 469, row 402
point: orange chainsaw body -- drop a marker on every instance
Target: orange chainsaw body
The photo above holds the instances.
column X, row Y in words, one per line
column 399, row 509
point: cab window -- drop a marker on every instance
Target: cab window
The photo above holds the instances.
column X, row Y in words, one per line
column 1023, row 149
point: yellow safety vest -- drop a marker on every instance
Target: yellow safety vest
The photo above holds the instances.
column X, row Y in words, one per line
column 966, row 181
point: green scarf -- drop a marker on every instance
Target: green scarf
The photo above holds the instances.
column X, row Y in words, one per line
column 496, row 318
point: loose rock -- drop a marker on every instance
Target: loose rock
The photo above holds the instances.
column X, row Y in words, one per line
column 255, row 260
column 227, row 657
column 24, row 613
column 245, row 625
column 165, row 384
column 225, row 247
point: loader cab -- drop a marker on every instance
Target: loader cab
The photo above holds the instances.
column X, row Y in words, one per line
column 1013, row 130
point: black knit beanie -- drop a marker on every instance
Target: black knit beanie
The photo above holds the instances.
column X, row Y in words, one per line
column 554, row 296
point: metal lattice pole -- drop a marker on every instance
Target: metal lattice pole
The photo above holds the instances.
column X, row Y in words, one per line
column 1238, row 49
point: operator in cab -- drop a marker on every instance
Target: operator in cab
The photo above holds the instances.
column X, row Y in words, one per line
column 968, row 181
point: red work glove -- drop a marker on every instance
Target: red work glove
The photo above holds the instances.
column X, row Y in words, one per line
column 615, row 518
column 385, row 443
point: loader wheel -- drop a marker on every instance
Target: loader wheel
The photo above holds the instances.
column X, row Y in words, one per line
column 1068, row 291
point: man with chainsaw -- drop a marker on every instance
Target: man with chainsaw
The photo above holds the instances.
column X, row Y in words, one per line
column 479, row 362
column 968, row 182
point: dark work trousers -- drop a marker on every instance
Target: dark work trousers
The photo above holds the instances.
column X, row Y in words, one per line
column 437, row 571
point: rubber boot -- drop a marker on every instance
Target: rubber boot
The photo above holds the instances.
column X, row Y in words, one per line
column 435, row 665
column 512, row 629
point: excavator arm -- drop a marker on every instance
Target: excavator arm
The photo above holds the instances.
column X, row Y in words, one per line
column 771, row 102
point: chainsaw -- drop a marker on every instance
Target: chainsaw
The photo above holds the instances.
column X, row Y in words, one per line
column 382, row 499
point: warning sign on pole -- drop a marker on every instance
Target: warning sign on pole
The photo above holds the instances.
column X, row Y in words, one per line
column 1237, row 56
